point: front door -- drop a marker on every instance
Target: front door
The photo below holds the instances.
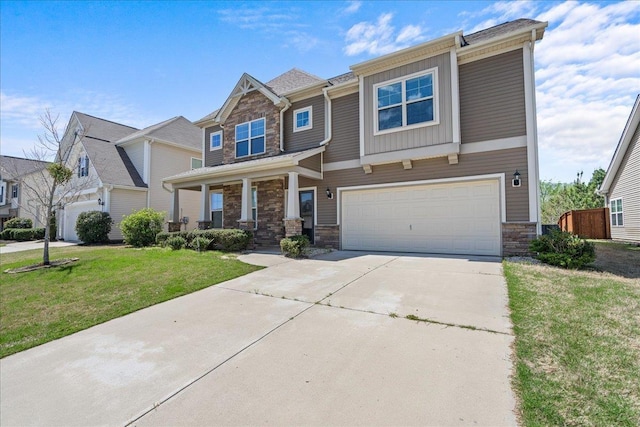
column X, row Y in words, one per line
column 306, row 212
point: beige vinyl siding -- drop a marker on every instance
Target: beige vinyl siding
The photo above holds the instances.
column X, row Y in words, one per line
column 136, row 155
column 345, row 139
column 166, row 161
column 211, row 158
column 502, row 161
column 413, row 138
column 492, row 98
column 124, row 202
column 311, row 138
column 626, row 185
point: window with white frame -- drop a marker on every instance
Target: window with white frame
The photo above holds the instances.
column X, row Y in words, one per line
column 196, row 163
column 83, row 166
column 216, row 209
column 406, row 103
column 302, row 119
column 215, row 140
column 254, row 206
column 14, row 191
column 250, row 138
column 615, row 209
column 3, row 186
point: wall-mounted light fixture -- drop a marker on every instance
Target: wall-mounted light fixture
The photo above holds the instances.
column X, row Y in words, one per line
column 516, row 179
column 329, row 193
column 100, row 202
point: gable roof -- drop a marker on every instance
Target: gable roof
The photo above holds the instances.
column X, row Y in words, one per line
column 293, row 80
column 621, row 149
column 105, row 130
column 12, row 168
column 175, row 131
column 502, row 29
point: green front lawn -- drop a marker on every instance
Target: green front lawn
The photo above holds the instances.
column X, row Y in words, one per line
column 577, row 345
column 107, row 282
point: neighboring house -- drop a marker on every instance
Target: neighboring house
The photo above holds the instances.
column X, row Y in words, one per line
column 118, row 168
column 413, row 151
column 13, row 203
column 621, row 184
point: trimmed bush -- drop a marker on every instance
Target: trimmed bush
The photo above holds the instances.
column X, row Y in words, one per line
column 294, row 246
column 7, row 234
column 161, row 238
column 563, row 249
column 176, row 243
column 225, row 240
column 232, row 240
column 200, row 244
column 22, row 234
column 141, row 227
column 19, row 223
column 38, row 233
column 94, row 227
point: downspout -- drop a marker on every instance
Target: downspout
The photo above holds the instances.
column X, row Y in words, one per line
column 328, row 125
column 286, row 107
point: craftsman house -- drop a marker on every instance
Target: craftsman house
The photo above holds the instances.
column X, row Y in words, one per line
column 432, row 148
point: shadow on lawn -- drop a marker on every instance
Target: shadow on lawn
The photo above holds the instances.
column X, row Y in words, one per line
column 621, row 259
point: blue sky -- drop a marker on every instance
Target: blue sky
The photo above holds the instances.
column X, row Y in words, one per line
column 139, row 63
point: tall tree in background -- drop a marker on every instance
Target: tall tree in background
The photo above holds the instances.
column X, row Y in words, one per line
column 558, row 198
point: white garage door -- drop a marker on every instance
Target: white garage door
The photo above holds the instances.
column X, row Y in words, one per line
column 457, row 218
column 71, row 213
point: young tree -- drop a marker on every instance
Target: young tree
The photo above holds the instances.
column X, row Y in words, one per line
column 558, row 198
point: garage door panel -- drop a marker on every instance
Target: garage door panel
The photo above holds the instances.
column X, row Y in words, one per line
column 459, row 218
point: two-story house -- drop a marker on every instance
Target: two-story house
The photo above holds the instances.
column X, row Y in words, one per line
column 15, row 182
column 119, row 169
column 432, row 149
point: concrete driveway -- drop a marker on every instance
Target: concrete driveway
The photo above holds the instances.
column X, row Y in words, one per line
column 312, row 342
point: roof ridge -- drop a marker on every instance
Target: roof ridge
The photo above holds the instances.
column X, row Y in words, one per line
column 104, row 120
column 499, row 25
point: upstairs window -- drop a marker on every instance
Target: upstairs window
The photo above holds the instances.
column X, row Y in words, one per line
column 3, row 185
column 215, row 141
column 250, row 138
column 196, row 163
column 406, row 103
column 83, row 166
column 14, row 191
column 302, row 119
column 615, row 208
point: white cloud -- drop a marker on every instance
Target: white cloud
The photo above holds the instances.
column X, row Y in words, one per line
column 501, row 12
column 352, row 7
column 379, row 38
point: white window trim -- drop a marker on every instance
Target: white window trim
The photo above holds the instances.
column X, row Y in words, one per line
column 611, row 213
column 235, row 142
column 255, row 223
column 217, row 210
column 295, row 119
column 3, row 193
column 211, row 147
column 403, row 79
column 17, row 191
column 196, row 158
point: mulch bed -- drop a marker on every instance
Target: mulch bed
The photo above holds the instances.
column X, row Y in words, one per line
column 55, row 263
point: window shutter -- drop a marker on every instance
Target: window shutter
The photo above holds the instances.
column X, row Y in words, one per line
column 86, row 166
column 79, row 166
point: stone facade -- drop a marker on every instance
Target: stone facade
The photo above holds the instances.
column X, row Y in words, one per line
column 232, row 198
column 327, row 236
column 173, row 226
column 292, row 227
column 204, row 225
column 516, row 237
column 252, row 106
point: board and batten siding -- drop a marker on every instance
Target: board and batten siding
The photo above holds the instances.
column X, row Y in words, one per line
column 500, row 161
column 412, row 138
column 136, row 155
column 492, row 104
column 211, row 158
column 166, row 161
column 124, row 202
column 345, row 138
column 626, row 185
column 305, row 139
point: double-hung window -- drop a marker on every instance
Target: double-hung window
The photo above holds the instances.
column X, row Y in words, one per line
column 302, row 119
column 250, row 138
column 14, row 191
column 615, row 208
column 83, row 166
column 3, row 185
column 216, row 210
column 406, row 103
column 215, row 141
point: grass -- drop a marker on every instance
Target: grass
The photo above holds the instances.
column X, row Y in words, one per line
column 107, row 282
column 577, row 342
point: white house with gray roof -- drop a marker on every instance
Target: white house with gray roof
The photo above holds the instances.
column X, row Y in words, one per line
column 119, row 169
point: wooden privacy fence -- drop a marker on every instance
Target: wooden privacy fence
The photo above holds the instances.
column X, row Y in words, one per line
column 588, row 223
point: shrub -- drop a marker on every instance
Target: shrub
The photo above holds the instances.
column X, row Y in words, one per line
column 38, row 233
column 141, row 227
column 294, row 246
column 7, row 234
column 232, row 239
column 22, row 234
column 225, row 240
column 19, row 223
column 94, row 227
column 200, row 244
column 563, row 249
column 161, row 238
column 176, row 243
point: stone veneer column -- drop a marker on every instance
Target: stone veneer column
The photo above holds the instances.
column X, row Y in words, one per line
column 516, row 237
column 173, row 226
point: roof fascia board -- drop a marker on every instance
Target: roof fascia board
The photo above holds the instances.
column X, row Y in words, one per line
column 239, row 90
column 504, row 42
column 302, row 91
column 343, row 89
column 155, row 140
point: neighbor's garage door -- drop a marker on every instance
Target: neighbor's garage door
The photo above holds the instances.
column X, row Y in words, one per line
column 71, row 213
column 457, row 218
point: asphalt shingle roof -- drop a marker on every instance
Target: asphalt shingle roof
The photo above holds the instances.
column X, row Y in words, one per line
column 292, row 80
column 177, row 130
column 499, row 30
column 15, row 167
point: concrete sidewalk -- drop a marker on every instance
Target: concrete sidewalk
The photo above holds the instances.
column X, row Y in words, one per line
column 312, row 342
column 26, row 246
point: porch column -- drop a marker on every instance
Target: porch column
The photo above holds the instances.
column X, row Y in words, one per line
column 205, row 208
column 246, row 219
column 174, row 220
column 293, row 221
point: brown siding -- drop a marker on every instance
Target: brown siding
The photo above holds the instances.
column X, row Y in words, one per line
column 302, row 140
column 503, row 161
column 492, row 98
column 405, row 139
column 212, row 158
column 345, row 141
column 312, row 163
column 626, row 185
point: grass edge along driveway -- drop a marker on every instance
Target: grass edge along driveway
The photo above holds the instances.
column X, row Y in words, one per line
column 577, row 348
column 107, row 282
